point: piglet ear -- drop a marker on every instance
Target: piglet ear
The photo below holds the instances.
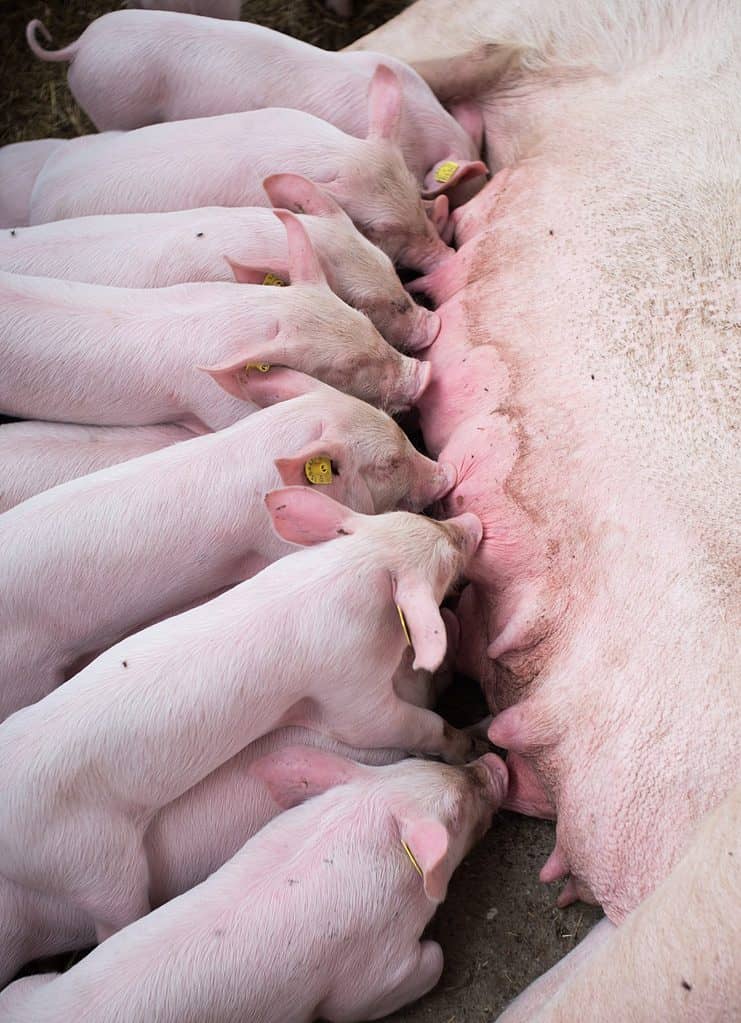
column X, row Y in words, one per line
column 314, row 465
column 234, row 375
column 296, row 773
column 299, row 195
column 384, row 105
column 415, row 599
column 305, row 516
column 448, row 173
column 249, row 275
column 278, row 384
column 303, row 264
column 428, row 842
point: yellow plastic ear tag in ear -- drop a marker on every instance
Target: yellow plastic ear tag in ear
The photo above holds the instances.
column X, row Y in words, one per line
column 271, row 278
column 403, row 621
column 412, row 857
column 445, row 171
column 318, row 470
column 261, row 367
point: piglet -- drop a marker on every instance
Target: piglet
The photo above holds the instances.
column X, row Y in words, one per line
column 197, row 67
column 36, row 456
column 155, row 250
column 20, row 164
column 313, row 640
column 119, row 532
column 319, row 915
column 85, row 353
column 227, row 159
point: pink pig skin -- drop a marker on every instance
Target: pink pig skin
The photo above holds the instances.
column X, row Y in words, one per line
column 36, row 456
column 209, row 8
column 126, row 357
column 229, row 157
column 197, row 506
column 329, row 878
column 168, row 705
column 196, row 67
column 540, row 599
column 20, row 164
column 650, row 968
column 154, row 250
column 583, row 383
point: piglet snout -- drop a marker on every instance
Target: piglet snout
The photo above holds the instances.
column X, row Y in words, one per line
column 492, row 771
column 408, row 385
column 466, row 532
column 424, row 331
column 425, row 251
column 445, row 479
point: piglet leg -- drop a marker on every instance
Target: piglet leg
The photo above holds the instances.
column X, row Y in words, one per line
column 421, row 978
column 410, row 980
column 418, row 730
column 119, row 894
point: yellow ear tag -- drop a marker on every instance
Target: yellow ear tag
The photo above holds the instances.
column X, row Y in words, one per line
column 318, row 470
column 445, row 171
column 403, row 621
column 411, row 856
column 271, row 278
column 261, row 367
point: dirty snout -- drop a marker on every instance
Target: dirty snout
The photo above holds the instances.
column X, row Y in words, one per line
column 424, row 328
column 431, row 482
column 426, row 251
column 486, row 782
column 489, row 777
column 406, row 384
column 407, row 326
column 465, row 532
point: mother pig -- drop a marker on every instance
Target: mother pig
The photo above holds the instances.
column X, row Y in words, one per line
column 584, row 387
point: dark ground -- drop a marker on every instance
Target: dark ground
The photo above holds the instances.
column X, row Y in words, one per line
column 499, row 927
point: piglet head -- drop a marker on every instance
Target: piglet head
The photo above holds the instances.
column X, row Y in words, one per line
column 356, row 270
column 442, row 812
column 435, row 813
column 338, row 344
column 381, row 194
column 423, row 557
column 369, row 463
column 359, row 456
column 318, row 334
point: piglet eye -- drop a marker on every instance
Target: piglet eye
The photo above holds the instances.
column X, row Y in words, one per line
column 390, row 465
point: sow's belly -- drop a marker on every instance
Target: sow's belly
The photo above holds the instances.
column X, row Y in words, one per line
column 576, row 388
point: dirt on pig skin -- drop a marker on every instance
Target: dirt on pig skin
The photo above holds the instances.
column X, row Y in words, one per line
column 499, row 928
